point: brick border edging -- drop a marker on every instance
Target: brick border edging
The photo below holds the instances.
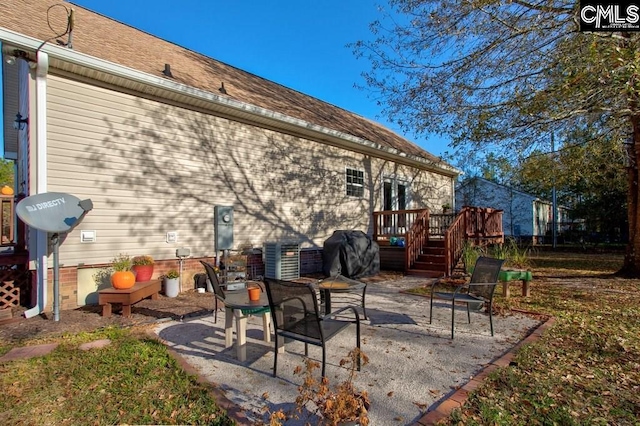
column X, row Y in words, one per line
column 233, row 410
column 457, row 399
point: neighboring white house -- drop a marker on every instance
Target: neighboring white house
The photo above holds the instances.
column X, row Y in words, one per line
column 524, row 215
column 157, row 135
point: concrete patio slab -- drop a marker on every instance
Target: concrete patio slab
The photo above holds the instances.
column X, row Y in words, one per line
column 413, row 364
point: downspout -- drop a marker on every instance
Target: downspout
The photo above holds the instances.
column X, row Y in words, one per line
column 42, row 244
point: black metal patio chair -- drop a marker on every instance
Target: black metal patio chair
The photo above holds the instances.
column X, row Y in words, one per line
column 220, row 294
column 296, row 316
column 479, row 291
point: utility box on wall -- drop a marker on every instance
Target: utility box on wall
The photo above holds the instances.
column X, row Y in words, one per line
column 223, row 227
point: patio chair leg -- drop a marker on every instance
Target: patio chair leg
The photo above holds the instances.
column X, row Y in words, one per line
column 306, row 349
column 453, row 316
column 468, row 314
column 215, row 311
column 358, row 341
column 431, row 309
column 275, row 357
column 364, row 310
column 491, row 318
column 324, row 360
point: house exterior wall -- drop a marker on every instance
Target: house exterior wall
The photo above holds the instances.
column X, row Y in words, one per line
column 518, row 212
column 524, row 215
column 152, row 168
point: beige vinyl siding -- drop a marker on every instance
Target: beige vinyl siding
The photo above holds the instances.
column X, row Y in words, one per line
column 151, row 168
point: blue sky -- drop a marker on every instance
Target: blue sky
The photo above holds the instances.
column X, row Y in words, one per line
column 297, row 43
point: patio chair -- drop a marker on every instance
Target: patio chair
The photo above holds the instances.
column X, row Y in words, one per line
column 296, row 316
column 220, row 294
column 478, row 292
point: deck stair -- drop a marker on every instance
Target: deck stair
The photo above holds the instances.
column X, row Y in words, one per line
column 432, row 262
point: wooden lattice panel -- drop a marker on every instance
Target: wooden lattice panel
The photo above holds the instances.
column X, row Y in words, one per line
column 21, row 280
column 9, row 295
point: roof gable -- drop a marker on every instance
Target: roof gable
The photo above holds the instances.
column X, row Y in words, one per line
column 102, row 37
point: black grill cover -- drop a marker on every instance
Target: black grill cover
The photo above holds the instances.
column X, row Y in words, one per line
column 350, row 253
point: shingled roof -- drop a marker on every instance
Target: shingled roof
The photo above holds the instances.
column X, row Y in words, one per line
column 107, row 39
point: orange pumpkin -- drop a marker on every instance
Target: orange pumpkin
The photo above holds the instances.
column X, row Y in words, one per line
column 122, row 280
column 6, row 190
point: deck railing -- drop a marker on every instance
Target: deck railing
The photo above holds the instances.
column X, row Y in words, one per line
column 454, row 239
column 417, row 237
column 7, row 220
column 393, row 223
column 483, row 225
column 439, row 223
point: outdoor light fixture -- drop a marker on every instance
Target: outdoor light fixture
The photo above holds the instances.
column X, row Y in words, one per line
column 10, row 59
column 20, row 123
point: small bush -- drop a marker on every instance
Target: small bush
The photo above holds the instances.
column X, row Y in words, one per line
column 171, row 274
column 142, row 260
column 121, row 262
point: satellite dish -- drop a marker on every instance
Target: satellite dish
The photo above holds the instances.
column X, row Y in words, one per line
column 54, row 212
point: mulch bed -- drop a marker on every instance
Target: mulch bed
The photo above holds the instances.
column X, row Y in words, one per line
column 88, row 318
column 188, row 304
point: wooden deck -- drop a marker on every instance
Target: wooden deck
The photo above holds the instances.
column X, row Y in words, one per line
column 431, row 244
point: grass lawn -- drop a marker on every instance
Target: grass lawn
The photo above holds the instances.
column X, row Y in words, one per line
column 586, row 368
column 132, row 381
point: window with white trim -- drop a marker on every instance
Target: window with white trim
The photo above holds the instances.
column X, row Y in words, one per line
column 355, row 183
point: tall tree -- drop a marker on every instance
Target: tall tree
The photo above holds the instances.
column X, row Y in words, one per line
column 504, row 75
column 589, row 178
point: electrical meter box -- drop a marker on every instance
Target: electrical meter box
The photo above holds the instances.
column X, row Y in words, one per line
column 223, row 227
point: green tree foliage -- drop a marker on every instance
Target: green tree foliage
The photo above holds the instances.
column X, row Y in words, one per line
column 589, row 178
column 502, row 76
column 6, row 172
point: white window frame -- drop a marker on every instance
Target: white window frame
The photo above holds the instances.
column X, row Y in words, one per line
column 351, row 185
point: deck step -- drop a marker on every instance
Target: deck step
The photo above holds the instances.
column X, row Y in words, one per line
column 435, row 243
column 421, row 264
column 432, row 258
column 424, row 273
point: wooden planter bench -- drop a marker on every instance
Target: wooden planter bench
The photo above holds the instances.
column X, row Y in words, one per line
column 507, row 275
column 127, row 297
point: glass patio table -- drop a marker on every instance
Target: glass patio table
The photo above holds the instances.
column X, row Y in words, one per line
column 344, row 291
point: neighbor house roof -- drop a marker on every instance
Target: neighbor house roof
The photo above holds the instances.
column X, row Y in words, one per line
column 109, row 40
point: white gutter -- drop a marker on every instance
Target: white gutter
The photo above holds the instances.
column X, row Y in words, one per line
column 91, row 62
column 40, row 121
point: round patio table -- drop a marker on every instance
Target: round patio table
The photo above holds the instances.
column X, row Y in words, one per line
column 345, row 287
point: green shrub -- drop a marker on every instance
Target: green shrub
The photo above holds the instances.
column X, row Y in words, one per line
column 470, row 254
column 142, row 260
column 121, row 262
column 171, row 274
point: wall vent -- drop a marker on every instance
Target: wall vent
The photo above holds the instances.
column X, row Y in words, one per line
column 282, row 260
